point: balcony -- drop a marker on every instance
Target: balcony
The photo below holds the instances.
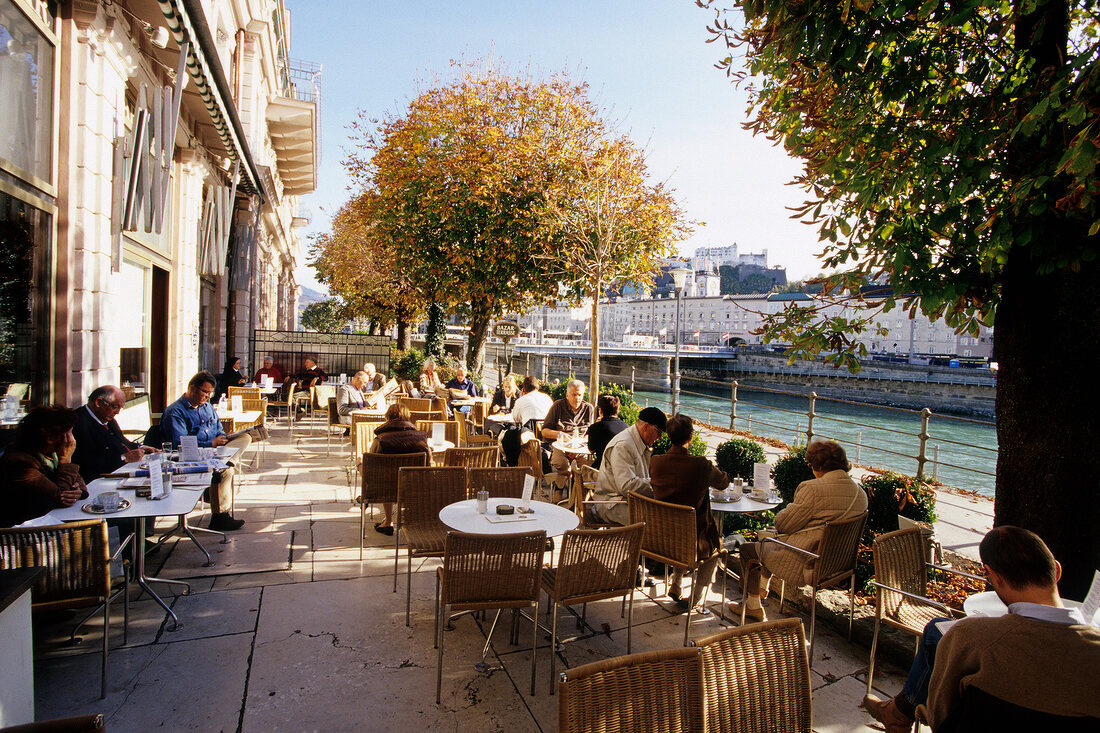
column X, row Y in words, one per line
column 293, row 122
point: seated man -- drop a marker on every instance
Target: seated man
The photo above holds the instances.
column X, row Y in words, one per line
column 625, row 467
column 532, row 404
column 192, row 414
column 567, row 416
column 100, row 445
column 1026, row 668
column 463, row 383
column 831, row 496
column 349, row 397
column 311, row 376
column 372, row 380
column 269, row 370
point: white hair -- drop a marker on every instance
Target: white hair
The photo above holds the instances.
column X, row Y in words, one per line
column 575, row 383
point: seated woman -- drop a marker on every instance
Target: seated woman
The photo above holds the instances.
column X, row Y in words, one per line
column 397, row 435
column 37, row 470
column 681, row 478
column 607, row 427
column 829, row 497
column 430, row 385
column 230, row 377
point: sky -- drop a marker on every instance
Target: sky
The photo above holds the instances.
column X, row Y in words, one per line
column 646, row 62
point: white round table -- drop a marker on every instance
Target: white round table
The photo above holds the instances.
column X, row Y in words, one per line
column 744, row 505
column 463, row 516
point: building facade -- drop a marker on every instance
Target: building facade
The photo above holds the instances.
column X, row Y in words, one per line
column 151, row 162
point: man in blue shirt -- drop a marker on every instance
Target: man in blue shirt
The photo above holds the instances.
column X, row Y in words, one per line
column 192, row 414
column 464, row 383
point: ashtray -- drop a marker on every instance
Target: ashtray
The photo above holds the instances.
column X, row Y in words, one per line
column 505, row 509
column 93, row 508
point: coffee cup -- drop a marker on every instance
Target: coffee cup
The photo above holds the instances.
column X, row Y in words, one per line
column 109, row 501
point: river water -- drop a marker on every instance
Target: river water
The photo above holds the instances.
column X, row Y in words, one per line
column 872, row 436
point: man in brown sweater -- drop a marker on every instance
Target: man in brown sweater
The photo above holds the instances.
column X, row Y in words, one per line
column 1026, row 670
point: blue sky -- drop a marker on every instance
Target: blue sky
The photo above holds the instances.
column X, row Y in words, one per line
column 646, row 61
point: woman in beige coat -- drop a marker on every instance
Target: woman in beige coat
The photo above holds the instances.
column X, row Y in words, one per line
column 829, row 497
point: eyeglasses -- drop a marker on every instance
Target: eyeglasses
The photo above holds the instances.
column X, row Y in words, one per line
column 110, row 405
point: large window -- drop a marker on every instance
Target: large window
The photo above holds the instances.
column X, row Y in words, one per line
column 24, row 295
column 26, row 78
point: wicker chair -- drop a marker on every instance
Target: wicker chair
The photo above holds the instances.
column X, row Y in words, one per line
column 594, row 564
column 477, row 418
column 832, row 564
column 530, row 457
column 451, row 429
column 253, row 404
column 471, row 457
column 421, row 493
column 287, row 402
column 78, row 571
column 379, row 485
column 333, row 422
column 416, row 404
column 319, row 395
column 670, row 537
column 901, row 577
column 481, row 572
column 756, row 679
column 78, row 724
column 502, row 482
column 651, row 691
column 249, row 392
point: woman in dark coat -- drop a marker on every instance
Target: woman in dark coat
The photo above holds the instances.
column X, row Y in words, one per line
column 230, row 377
column 397, row 435
column 681, row 478
column 38, row 474
column 607, row 427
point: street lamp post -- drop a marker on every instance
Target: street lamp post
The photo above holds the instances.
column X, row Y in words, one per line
column 679, row 279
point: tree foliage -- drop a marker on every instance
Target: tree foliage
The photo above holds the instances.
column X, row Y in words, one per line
column 950, row 152
column 325, row 316
column 608, row 223
column 459, row 177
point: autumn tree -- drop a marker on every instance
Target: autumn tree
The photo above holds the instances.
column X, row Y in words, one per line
column 950, row 152
column 459, row 176
column 326, row 316
column 360, row 266
column 611, row 225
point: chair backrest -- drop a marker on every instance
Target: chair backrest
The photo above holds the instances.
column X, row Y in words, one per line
column 418, row 415
column 251, row 404
column 358, row 417
column 463, row 427
column 900, row 558
column 333, row 413
column 756, row 679
column 670, row 534
column 839, row 548
column 19, row 389
column 502, row 482
column 477, row 415
column 530, row 457
column 651, row 691
column 75, row 555
column 380, row 474
column 485, row 457
column 491, row 571
column 362, row 436
column 425, row 426
column 422, row 492
column 320, row 393
column 595, row 563
column 416, row 404
column 244, row 391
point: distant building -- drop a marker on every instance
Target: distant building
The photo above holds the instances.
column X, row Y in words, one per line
column 729, row 255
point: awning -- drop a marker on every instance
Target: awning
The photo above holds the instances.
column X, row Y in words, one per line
column 292, row 125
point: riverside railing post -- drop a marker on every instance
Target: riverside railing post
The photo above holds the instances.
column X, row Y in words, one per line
column 676, row 384
column 733, row 405
column 922, row 456
column 546, row 367
column 570, row 366
column 810, row 424
column 632, row 379
column 527, row 368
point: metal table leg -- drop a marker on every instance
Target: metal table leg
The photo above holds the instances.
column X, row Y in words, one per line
column 143, row 580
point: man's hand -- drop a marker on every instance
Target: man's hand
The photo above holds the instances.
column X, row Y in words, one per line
column 219, row 440
column 148, row 449
column 133, row 456
column 70, row 496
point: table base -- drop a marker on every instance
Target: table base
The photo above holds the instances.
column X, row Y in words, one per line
column 143, row 580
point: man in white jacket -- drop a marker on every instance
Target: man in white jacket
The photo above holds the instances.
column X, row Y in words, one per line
column 625, row 467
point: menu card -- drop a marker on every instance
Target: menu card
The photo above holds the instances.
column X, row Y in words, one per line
column 237, row 403
column 269, row 382
column 439, row 433
column 761, row 476
column 189, row 448
column 528, row 489
column 156, row 477
column 1091, row 603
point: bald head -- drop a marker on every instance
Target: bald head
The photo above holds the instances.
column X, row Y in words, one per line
column 105, row 402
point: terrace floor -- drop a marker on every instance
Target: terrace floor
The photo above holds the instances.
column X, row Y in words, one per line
column 290, row 631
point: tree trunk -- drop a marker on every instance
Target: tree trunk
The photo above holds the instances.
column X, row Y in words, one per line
column 404, row 335
column 594, row 353
column 1048, row 430
column 480, row 317
column 437, row 330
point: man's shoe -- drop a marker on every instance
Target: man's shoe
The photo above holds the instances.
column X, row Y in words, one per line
column 386, row 530
column 887, row 713
column 751, row 614
column 225, row 523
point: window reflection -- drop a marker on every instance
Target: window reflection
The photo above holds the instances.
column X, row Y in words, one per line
column 26, row 78
column 24, row 254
